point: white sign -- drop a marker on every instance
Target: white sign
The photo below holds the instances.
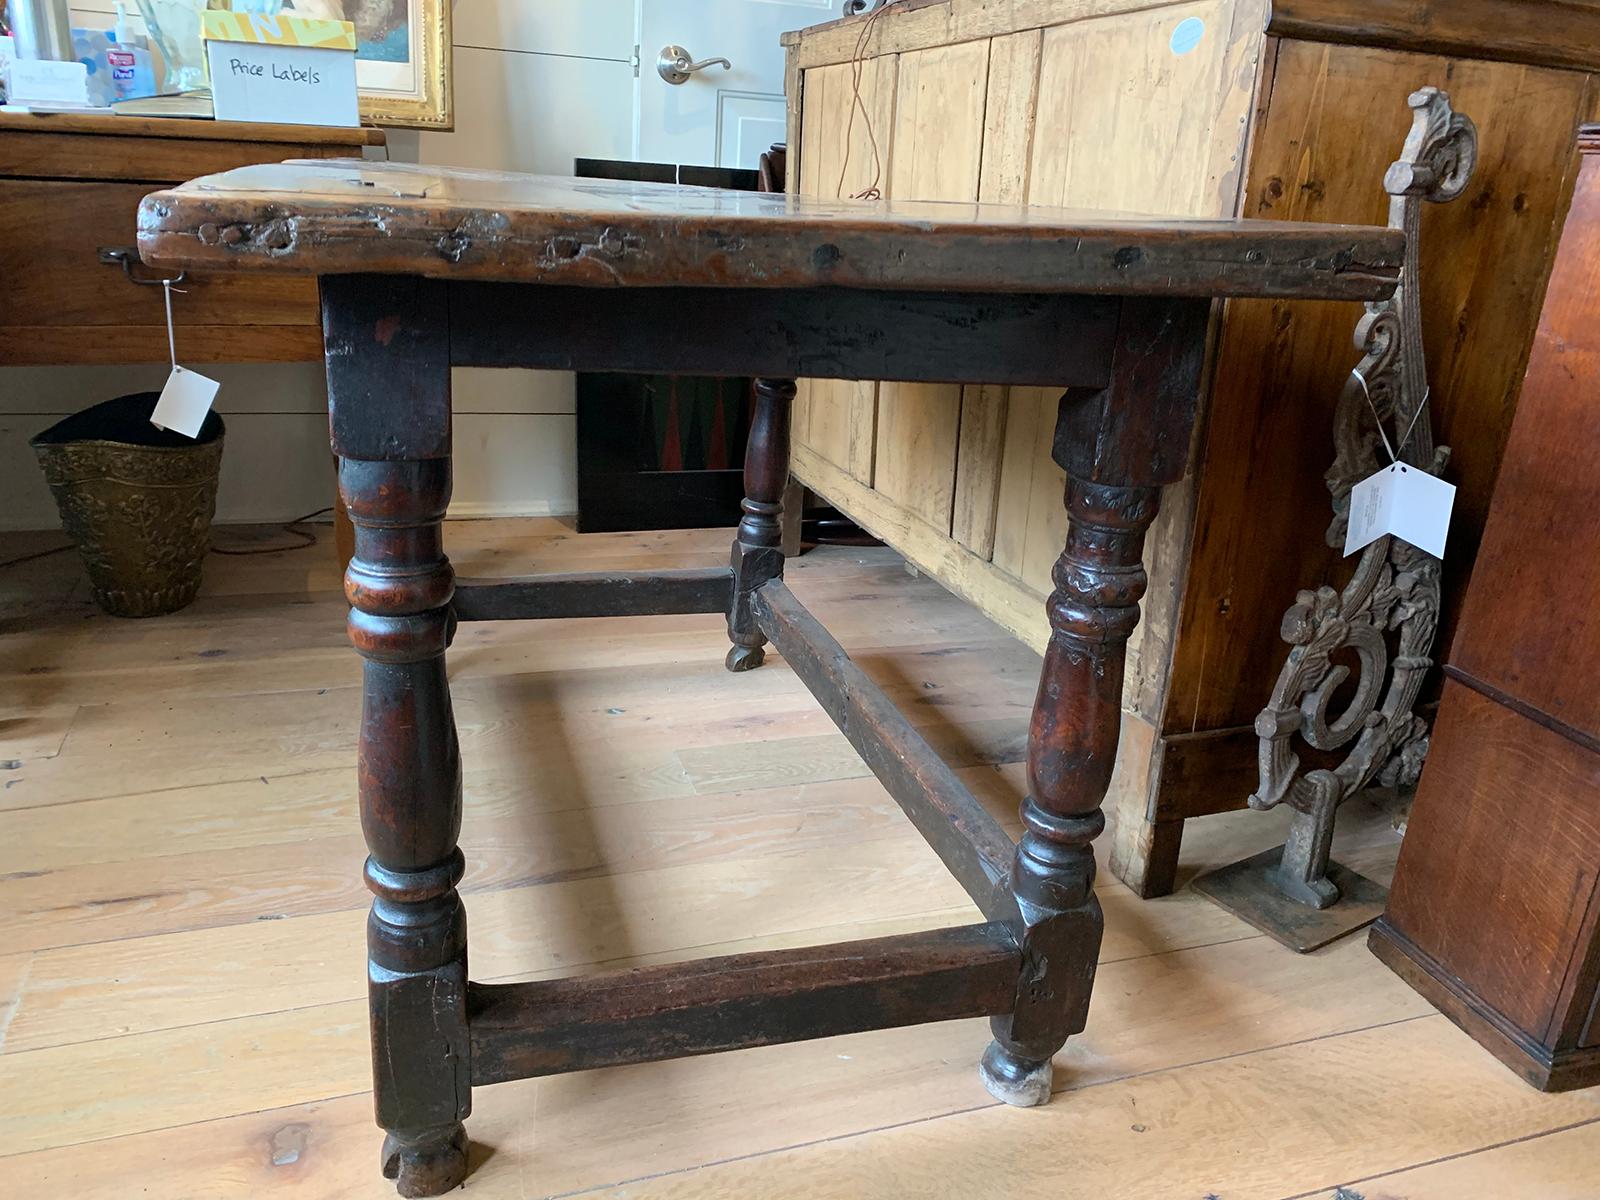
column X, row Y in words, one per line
column 282, row 69
column 1402, row 500
column 43, row 81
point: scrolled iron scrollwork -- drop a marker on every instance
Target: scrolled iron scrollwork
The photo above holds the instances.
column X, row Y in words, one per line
column 1385, row 617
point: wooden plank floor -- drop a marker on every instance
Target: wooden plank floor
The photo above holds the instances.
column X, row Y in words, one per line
column 181, row 979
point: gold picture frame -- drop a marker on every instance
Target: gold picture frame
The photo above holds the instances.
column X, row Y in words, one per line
column 403, row 58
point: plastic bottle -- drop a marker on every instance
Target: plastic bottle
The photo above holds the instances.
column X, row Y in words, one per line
column 132, row 73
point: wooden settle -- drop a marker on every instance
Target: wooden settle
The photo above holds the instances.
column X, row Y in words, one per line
column 1132, row 378
column 1286, row 112
column 1495, row 911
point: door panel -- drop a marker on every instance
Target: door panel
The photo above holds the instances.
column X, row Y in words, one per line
column 717, row 117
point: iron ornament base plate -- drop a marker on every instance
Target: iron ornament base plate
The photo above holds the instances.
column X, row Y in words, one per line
column 1249, row 890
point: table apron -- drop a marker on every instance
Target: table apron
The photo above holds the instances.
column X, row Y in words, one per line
column 823, row 333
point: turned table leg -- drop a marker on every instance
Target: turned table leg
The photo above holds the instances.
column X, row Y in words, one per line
column 389, row 411
column 1117, row 446
column 399, row 585
column 757, row 546
column 1072, row 746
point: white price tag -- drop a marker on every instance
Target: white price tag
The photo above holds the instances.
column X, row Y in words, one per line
column 188, row 396
column 1404, row 501
column 184, row 402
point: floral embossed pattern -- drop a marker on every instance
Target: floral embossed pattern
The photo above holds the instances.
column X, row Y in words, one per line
column 141, row 517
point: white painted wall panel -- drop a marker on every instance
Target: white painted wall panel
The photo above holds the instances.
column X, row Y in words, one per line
column 587, row 29
column 515, row 442
column 486, row 390
column 276, row 464
column 515, row 464
column 530, row 112
column 747, row 126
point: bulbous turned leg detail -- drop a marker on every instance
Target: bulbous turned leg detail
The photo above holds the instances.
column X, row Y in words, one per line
column 1072, row 744
column 400, row 584
column 758, row 544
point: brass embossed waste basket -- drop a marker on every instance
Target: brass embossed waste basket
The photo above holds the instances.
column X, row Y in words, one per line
column 137, row 500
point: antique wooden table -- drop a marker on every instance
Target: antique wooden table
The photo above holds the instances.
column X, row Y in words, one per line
column 425, row 269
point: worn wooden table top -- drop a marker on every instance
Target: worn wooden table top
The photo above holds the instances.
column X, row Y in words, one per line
column 341, row 216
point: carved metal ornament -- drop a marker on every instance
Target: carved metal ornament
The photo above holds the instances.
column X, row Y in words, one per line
column 1387, row 614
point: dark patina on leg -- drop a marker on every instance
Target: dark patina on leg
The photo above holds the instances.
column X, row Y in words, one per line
column 399, row 584
column 1072, row 746
column 1117, row 446
column 758, row 545
column 389, row 398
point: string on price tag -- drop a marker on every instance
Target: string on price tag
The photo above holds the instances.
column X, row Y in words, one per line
column 188, row 395
column 1401, row 500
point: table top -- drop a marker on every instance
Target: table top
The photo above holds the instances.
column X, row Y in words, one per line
column 346, row 216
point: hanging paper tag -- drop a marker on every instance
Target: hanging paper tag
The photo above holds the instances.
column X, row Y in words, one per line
column 1403, row 500
column 184, row 402
column 188, row 396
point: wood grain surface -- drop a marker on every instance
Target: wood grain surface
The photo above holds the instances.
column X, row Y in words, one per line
column 1546, row 33
column 1542, row 538
column 1262, row 504
column 1495, row 912
column 679, row 1010
column 154, row 160
column 1555, row 33
column 54, row 276
column 178, row 837
column 335, row 218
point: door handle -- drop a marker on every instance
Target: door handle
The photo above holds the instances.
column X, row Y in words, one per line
column 675, row 66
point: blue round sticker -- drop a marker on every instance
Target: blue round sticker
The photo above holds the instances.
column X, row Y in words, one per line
column 1187, row 34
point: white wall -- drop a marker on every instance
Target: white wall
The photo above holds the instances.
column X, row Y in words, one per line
column 538, row 83
column 276, row 465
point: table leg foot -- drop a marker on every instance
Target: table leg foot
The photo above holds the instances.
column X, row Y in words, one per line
column 1013, row 1079
column 429, row 1163
column 745, row 658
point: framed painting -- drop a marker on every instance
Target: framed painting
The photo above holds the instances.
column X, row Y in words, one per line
column 402, row 58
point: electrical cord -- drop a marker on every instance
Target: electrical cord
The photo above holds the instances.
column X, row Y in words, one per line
column 22, row 558
column 307, row 538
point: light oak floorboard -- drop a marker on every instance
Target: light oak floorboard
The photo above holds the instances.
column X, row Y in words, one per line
column 1247, row 1127
column 181, row 1009
column 582, row 1131
column 108, row 989
column 1554, row 1166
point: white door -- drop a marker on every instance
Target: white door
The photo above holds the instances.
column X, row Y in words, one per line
column 717, row 116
